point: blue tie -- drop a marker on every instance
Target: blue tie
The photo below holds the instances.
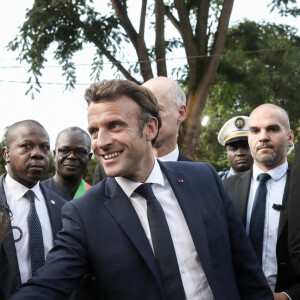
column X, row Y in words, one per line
column 164, row 251
column 257, row 222
column 36, row 244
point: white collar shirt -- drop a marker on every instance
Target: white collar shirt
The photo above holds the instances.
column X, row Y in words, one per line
column 172, row 156
column 19, row 206
column 193, row 277
column 275, row 190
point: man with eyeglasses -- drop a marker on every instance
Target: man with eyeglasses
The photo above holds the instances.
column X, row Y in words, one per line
column 71, row 157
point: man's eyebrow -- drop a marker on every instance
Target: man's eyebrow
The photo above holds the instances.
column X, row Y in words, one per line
column 273, row 126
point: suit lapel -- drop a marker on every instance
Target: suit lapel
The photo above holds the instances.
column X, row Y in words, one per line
column 243, row 187
column 192, row 213
column 55, row 218
column 9, row 260
column 124, row 213
column 285, row 204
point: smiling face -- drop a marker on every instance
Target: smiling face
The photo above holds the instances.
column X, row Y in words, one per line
column 72, row 165
column 117, row 141
column 27, row 155
column 269, row 136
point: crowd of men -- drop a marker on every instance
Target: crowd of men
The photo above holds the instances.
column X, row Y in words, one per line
column 155, row 225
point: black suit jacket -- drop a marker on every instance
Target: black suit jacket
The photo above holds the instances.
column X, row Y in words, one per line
column 294, row 212
column 182, row 157
column 288, row 280
column 102, row 230
column 9, row 269
column 99, row 173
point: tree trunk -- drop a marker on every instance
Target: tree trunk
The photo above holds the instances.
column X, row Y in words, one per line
column 197, row 97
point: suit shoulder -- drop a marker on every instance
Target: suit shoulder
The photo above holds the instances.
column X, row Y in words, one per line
column 237, row 177
column 188, row 166
column 50, row 195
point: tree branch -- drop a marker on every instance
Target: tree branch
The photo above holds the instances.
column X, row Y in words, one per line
column 143, row 19
column 160, row 46
column 137, row 41
column 201, row 26
column 100, row 45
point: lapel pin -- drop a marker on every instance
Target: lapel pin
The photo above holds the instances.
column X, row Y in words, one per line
column 52, row 201
column 180, row 181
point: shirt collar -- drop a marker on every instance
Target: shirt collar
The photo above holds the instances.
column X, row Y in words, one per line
column 128, row 186
column 276, row 173
column 172, row 156
column 18, row 189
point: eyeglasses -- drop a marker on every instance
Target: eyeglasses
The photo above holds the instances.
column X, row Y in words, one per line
column 66, row 151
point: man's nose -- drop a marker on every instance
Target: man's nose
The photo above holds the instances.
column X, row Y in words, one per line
column 263, row 136
column 37, row 152
column 240, row 151
column 104, row 138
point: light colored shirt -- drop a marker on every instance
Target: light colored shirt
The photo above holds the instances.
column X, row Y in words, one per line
column 172, row 156
column 193, row 277
column 19, row 206
column 275, row 190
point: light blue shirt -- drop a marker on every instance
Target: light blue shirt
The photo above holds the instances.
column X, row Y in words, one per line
column 275, row 190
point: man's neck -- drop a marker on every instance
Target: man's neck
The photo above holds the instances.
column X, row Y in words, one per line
column 67, row 183
column 163, row 150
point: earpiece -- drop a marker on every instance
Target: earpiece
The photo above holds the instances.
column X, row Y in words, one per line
column 290, row 148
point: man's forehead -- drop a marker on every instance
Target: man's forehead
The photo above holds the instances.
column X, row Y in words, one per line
column 118, row 108
column 28, row 131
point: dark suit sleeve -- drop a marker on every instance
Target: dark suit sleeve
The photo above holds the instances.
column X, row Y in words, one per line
column 99, row 174
column 65, row 265
column 294, row 212
column 250, row 279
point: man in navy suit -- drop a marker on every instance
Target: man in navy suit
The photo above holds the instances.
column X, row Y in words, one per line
column 113, row 229
column 27, row 156
column 172, row 110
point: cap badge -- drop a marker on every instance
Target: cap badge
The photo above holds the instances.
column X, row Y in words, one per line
column 239, row 123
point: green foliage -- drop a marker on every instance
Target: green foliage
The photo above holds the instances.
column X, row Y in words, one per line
column 286, row 7
column 252, row 72
column 68, row 25
column 90, row 171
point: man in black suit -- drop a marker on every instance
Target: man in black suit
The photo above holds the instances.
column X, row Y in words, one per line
column 152, row 229
column 27, row 156
column 172, row 104
column 172, row 109
column 294, row 210
column 265, row 217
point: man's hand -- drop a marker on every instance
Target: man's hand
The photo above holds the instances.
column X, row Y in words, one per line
column 280, row 296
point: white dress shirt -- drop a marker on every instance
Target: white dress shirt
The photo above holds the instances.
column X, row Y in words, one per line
column 172, row 156
column 192, row 274
column 19, row 205
column 275, row 190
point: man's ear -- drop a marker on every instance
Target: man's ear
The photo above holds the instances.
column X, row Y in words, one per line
column 290, row 137
column 5, row 154
column 151, row 128
column 182, row 111
column 54, row 153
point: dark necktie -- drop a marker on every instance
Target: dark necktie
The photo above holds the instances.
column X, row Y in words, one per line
column 257, row 222
column 164, row 251
column 36, row 244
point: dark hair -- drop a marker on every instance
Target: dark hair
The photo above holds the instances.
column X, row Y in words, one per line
column 74, row 129
column 112, row 89
column 9, row 132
